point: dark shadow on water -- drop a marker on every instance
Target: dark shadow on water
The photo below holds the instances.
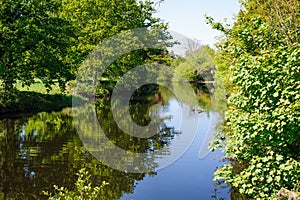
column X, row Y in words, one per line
column 26, row 103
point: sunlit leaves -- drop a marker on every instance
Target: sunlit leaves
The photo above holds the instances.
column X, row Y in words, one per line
column 197, row 65
column 34, row 43
column 262, row 122
column 49, row 39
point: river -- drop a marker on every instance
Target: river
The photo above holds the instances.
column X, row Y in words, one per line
column 41, row 150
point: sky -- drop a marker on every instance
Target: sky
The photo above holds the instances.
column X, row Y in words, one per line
column 187, row 17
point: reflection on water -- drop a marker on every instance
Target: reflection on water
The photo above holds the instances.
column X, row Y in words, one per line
column 43, row 150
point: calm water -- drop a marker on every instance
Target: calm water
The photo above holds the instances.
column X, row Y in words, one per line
column 43, row 150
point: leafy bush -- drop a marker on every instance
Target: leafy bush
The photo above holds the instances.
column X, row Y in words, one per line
column 84, row 189
column 261, row 132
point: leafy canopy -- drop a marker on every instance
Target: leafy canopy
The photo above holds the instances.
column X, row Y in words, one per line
column 49, row 39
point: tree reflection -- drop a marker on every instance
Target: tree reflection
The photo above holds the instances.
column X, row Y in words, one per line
column 118, row 149
column 44, row 150
column 140, row 108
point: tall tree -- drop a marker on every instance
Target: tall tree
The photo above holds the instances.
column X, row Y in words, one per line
column 95, row 21
column 49, row 39
column 35, row 42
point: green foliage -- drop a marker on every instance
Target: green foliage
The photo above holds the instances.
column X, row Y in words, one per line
column 38, row 86
column 83, row 189
column 35, row 42
column 198, row 65
column 95, row 21
column 49, row 39
column 261, row 129
column 262, row 176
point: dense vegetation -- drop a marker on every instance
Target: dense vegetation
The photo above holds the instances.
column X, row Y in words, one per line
column 197, row 65
column 46, row 41
column 259, row 63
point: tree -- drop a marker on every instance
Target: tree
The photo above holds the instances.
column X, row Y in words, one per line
column 261, row 127
column 34, row 43
column 95, row 21
column 198, row 65
column 50, row 39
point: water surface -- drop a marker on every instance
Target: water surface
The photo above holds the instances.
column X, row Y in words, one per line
column 39, row 151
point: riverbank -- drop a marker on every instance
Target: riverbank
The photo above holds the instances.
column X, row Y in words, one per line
column 32, row 102
column 33, row 99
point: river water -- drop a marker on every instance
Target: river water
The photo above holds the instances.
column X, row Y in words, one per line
column 42, row 150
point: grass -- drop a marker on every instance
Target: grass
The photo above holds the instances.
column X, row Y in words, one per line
column 39, row 87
